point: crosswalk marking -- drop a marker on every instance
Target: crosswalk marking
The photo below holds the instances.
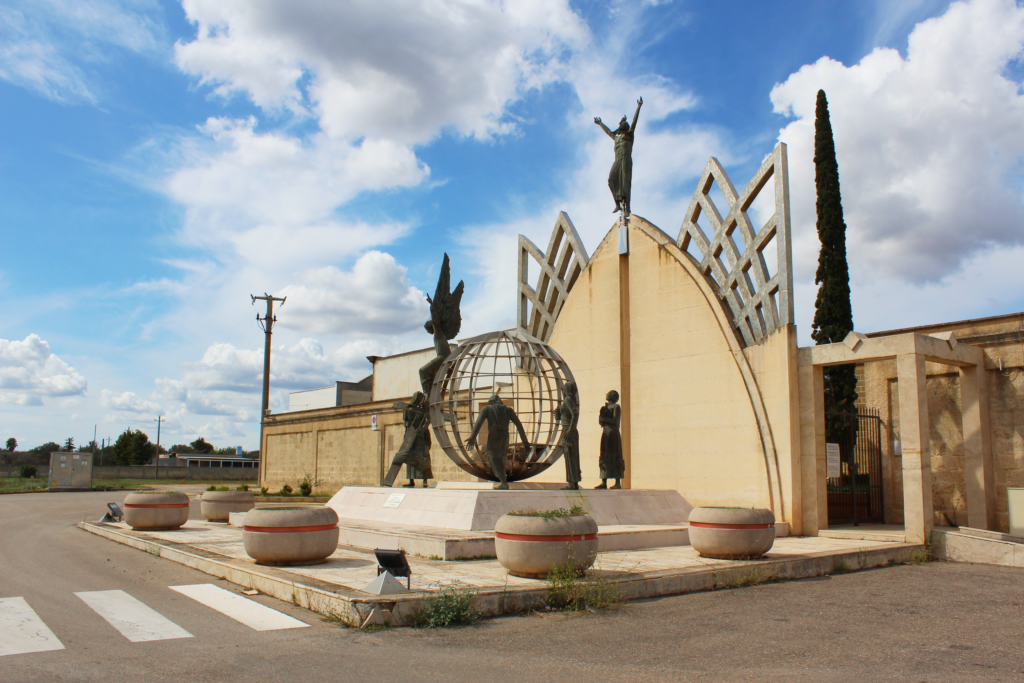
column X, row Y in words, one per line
column 249, row 612
column 22, row 631
column 136, row 621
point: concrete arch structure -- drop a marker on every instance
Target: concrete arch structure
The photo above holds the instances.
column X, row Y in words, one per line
column 652, row 326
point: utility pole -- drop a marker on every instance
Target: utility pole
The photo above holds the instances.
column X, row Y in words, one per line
column 267, row 323
column 158, row 420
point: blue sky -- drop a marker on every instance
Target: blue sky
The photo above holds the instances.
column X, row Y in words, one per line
column 160, row 161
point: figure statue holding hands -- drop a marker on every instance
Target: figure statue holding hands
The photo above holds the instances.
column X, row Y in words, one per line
column 613, row 465
column 498, row 416
column 415, row 448
column 620, row 178
column 569, row 415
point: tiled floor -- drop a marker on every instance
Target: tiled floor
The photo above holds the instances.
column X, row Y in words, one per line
column 354, row 568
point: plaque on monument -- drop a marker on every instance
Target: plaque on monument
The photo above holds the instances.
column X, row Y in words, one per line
column 832, row 461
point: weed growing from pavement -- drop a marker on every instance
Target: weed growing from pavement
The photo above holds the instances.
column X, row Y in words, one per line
column 574, row 590
column 926, row 554
column 451, row 605
column 376, row 628
column 574, row 511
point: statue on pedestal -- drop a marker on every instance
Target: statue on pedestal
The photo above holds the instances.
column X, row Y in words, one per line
column 613, row 465
column 498, row 416
column 444, row 324
column 569, row 415
column 415, row 448
column 620, row 179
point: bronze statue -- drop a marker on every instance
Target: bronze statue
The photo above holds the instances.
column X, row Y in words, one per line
column 412, row 473
column 415, row 448
column 497, row 415
column 621, row 176
column 569, row 415
column 444, row 324
column 613, row 465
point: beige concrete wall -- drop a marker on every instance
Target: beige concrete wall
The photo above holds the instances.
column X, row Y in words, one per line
column 398, row 377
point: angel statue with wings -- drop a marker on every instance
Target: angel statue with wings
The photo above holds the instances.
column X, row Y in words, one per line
column 445, row 323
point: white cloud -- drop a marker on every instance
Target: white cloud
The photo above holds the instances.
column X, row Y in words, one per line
column 375, row 297
column 29, row 372
column 49, row 45
column 929, row 147
column 127, row 402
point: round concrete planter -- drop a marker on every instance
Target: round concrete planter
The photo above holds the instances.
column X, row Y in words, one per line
column 732, row 533
column 156, row 510
column 290, row 536
column 532, row 547
column 217, row 506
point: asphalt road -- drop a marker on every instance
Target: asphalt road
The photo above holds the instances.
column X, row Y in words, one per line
column 935, row 622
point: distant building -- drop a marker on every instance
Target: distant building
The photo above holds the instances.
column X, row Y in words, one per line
column 342, row 394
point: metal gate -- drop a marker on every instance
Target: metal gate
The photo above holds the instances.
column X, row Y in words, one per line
column 856, row 494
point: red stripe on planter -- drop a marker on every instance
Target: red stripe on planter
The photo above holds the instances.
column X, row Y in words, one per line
column 523, row 537
column 284, row 529
column 710, row 525
column 171, row 505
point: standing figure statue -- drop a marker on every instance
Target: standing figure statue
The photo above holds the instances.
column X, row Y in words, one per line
column 569, row 415
column 613, row 465
column 415, row 448
column 497, row 415
column 444, row 324
column 621, row 176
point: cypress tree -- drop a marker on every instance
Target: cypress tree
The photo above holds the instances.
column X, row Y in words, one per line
column 833, row 315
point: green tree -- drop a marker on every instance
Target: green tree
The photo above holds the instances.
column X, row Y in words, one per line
column 44, row 451
column 69, row 444
column 88, row 448
column 182, row 449
column 133, row 448
column 12, row 444
column 200, row 445
column 833, row 314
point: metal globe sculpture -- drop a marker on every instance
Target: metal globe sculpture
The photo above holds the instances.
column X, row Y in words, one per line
column 528, row 376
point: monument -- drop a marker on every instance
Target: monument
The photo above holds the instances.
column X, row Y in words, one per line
column 620, row 178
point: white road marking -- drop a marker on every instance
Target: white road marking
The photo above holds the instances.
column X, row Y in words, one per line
column 249, row 612
column 135, row 620
column 22, row 631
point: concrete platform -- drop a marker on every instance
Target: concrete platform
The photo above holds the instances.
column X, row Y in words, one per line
column 979, row 546
column 892, row 533
column 335, row 587
column 478, row 509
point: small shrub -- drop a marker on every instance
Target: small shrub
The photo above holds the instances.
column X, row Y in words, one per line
column 842, row 567
column 242, row 487
column 211, row 487
column 286, row 490
column 574, row 591
column 304, row 488
column 926, row 554
column 574, row 511
column 27, row 471
column 222, row 488
column 450, row 606
column 263, row 491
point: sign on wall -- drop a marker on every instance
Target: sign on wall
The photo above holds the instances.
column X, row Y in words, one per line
column 373, row 422
column 832, row 462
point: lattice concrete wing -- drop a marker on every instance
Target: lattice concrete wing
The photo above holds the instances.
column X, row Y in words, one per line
column 560, row 266
column 759, row 301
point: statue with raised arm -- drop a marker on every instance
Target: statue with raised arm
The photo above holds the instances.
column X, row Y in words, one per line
column 569, row 415
column 415, row 449
column 444, row 324
column 621, row 176
column 497, row 415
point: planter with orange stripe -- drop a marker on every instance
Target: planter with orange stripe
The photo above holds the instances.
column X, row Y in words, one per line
column 156, row 510
column 291, row 536
column 532, row 547
column 217, row 506
column 732, row 533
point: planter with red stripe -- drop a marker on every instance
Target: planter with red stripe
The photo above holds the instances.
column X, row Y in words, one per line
column 291, row 535
column 217, row 506
column 532, row 547
column 156, row 510
column 732, row 533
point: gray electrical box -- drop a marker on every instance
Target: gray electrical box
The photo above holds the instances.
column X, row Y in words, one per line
column 70, row 471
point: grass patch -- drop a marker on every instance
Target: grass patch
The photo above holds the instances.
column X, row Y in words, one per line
column 376, row 628
column 926, row 554
column 573, row 590
column 842, row 567
column 754, row 577
column 452, row 605
column 574, row 511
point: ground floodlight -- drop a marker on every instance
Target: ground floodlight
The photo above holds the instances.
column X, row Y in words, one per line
column 394, row 561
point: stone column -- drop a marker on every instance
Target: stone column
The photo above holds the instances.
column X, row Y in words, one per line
column 813, row 491
column 918, row 514
column 977, row 449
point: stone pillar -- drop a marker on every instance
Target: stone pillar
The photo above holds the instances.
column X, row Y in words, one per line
column 918, row 513
column 977, row 449
column 813, row 491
